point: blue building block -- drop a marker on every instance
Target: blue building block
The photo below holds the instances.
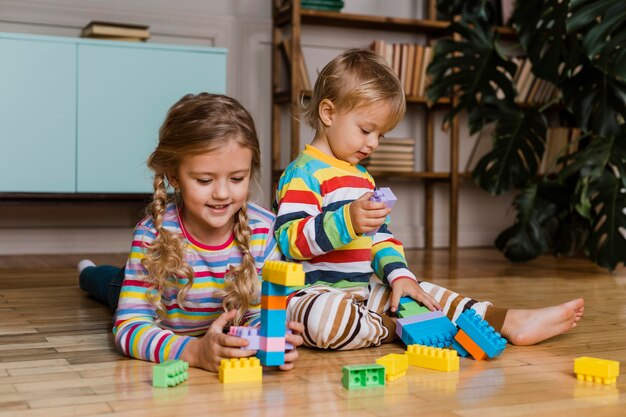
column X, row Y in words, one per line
column 273, row 323
column 271, row 358
column 436, row 332
column 490, row 341
column 269, row 288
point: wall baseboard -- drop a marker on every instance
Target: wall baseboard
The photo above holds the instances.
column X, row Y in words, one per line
column 65, row 240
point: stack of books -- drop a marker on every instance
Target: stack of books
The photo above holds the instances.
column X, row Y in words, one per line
column 409, row 62
column 328, row 5
column 392, row 155
column 116, row 31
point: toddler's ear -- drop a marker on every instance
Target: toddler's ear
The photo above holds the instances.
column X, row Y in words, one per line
column 326, row 111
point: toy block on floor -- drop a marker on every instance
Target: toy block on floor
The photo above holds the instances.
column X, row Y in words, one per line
column 469, row 345
column 460, row 350
column 289, row 274
column 395, row 365
column 384, row 195
column 363, row 376
column 169, row 373
column 601, row 371
column 240, row 370
column 431, row 329
column 477, row 329
column 433, row 358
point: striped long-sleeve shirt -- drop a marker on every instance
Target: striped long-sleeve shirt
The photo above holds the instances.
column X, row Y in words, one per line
column 313, row 223
column 136, row 332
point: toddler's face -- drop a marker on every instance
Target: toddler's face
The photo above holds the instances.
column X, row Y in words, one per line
column 354, row 135
column 214, row 186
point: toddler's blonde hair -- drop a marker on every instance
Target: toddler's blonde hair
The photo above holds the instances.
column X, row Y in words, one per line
column 356, row 78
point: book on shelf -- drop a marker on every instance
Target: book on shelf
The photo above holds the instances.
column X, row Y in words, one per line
column 409, row 62
column 112, row 30
column 300, row 66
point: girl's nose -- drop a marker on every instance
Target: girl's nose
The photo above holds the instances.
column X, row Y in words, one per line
column 220, row 191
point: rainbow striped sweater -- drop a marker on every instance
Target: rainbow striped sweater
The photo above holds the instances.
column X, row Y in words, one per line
column 313, row 224
column 136, row 333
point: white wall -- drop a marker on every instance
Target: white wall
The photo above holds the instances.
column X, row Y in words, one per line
column 244, row 28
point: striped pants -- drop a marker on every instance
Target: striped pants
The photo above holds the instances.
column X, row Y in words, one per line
column 353, row 318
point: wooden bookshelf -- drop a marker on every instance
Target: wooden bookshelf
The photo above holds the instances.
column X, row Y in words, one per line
column 288, row 19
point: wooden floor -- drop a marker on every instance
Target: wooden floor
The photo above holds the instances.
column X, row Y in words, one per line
column 57, row 356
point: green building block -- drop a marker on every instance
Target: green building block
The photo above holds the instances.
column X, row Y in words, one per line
column 411, row 308
column 169, row 373
column 363, row 376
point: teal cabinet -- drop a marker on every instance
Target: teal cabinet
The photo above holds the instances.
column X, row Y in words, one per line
column 81, row 115
column 37, row 116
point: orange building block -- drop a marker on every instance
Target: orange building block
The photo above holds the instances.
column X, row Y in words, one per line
column 273, row 302
column 469, row 345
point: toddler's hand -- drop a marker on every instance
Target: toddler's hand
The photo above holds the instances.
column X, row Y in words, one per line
column 367, row 216
column 296, row 340
column 208, row 351
column 407, row 286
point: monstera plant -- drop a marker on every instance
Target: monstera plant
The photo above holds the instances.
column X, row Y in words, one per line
column 580, row 47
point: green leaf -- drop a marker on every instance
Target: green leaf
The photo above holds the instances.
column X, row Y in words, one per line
column 607, row 245
column 518, row 147
column 602, row 25
column 473, row 65
column 534, row 228
column 597, row 101
column 540, row 25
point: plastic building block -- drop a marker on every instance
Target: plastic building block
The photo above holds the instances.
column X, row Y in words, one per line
column 433, row 358
column 271, row 289
column 384, row 195
column 169, row 373
column 460, row 350
column 470, row 346
column 284, row 273
column 490, row 341
column 435, row 330
column 273, row 302
column 363, row 376
column 411, row 309
column 271, row 358
column 240, row 370
column 273, row 323
column 251, row 334
column 395, row 365
column 601, row 371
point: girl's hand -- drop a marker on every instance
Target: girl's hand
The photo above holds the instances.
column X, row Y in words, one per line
column 208, row 351
column 367, row 216
column 296, row 340
column 407, row 286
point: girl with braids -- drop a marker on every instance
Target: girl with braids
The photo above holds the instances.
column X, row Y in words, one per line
column 196, row 258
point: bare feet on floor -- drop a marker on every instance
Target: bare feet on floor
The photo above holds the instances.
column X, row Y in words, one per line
column 527, row 327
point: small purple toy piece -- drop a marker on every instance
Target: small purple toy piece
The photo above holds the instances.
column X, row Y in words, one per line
column 384, row 195
column 251, row 334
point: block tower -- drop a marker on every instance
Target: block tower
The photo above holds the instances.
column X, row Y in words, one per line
column 278, row 276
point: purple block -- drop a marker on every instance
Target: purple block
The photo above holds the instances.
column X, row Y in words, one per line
column 251, row 334
column 384, row 195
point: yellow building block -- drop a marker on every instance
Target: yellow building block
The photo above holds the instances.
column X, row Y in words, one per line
column 240, row 370
column 395, row 365
column 596, row 370
column 428, row 357
column 289, row 274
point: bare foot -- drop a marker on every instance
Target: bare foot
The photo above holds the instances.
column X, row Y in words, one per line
column 527, row 327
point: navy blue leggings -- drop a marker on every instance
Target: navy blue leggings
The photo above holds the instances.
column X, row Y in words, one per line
column 103, row 283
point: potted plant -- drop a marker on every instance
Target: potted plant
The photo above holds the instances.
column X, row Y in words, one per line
column 580, row 47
